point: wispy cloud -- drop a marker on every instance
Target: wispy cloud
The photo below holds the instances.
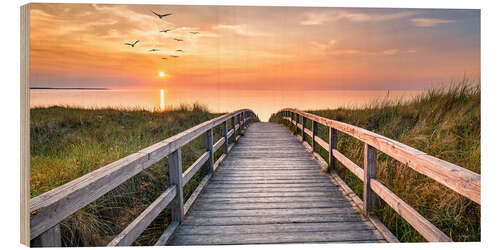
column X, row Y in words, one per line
column 429, row 22
column 317, row 18
column 390, row 52
column 324, row 46
column 240, row 29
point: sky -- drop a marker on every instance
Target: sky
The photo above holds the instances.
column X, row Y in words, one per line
column 251, row 48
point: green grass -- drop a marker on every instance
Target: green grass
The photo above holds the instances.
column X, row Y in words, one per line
column 444, row 123
column 68, row 142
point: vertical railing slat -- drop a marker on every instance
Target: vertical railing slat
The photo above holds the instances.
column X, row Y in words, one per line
column 49, row 238
column 370, row 171
column 332, row 142
column 304, row 128
column 175, row 175
column 209, row 140
column 314, row 134
column 224, row 134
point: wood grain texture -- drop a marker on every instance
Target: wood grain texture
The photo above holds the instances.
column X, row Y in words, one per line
column 270, row 190
column 460, row 180
column 188, row 174
column 422, row 225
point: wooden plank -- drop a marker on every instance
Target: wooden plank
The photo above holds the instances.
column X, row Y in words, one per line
column 175, row 176
column 273, row 228
column 167, row 234
column 219, row 144
column 70, row 197
column 422, row 225
column 458, row 179
column 191, row 171
column 49, row 238
column 261, row 238
column 135, row 229
column 270, row 199
column 213, row 195
column 278, row 189
column 253, row 220
column 304, row 119
column 370, row 171
column 272, row 212
column 272, row 205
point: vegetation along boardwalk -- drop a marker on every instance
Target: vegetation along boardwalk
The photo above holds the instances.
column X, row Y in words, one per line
column 270, row 190
column 260, row 184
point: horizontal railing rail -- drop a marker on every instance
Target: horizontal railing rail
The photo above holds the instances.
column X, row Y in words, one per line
column 50, row 208
column 458, row 179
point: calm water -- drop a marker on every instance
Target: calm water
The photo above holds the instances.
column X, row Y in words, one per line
column 264, row 103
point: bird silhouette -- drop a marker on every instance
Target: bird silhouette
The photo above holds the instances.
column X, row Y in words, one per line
column 160, row 15
column 174, row 56
column 178, row 40
column 165, row 31
column 153, row 50
column 180, row 50
column 164, row 58
column 195, row 32
column 132, row 44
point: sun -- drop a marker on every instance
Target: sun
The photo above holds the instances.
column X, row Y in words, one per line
column 161, row 74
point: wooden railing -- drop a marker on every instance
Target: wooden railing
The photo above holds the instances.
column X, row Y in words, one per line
column 458, row 179
column 49, row 209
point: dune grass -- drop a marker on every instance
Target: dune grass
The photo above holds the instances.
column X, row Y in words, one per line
column 444, row 123
column 68, row 142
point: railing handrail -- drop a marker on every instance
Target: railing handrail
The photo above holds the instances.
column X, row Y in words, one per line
column 50, row 208
column 458, row 179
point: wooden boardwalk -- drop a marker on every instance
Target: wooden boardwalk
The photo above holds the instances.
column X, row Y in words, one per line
column 270, row 190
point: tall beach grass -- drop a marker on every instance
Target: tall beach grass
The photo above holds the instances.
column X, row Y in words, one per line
column 444, row 123
column 68, row 142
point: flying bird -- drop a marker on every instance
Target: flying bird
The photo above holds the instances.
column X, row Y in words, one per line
column 195, row 32
column 174, row 56
column 165, row 31
column 153, row 50
column 132, row 44
column 161, row 16
column 178, row 40
column 164, row 58
column 180, row 50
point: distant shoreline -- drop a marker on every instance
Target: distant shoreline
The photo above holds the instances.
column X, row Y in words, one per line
column 70, row 88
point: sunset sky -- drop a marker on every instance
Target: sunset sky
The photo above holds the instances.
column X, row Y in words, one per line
column 258, row 48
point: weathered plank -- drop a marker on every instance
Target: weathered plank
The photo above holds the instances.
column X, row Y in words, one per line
column 261, row 238
column 273, row 228
column 175, row 176
column 269, row 180
column 167, row 234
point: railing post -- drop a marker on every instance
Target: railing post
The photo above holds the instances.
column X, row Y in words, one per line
column 304, row 128
column 332, row 142
column 297, row 123
column 49, row 238
column 175, row 174
column 209, row 139
column 232, row 139
column 315, row 133
column 370, row 171
column 224, row 134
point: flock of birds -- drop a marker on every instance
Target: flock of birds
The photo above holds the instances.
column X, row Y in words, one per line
column 132, row 44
